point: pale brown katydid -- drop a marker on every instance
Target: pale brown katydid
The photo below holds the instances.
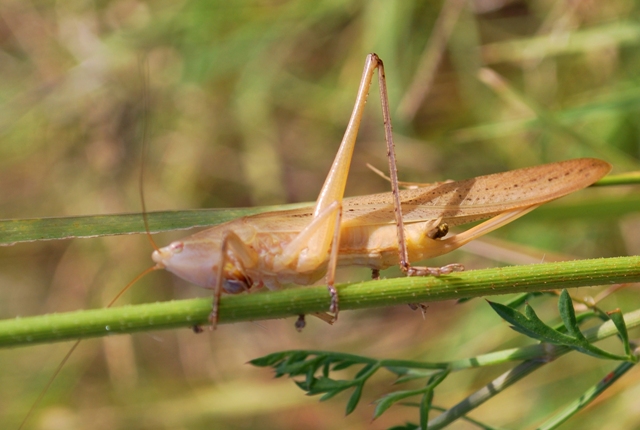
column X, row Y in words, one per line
column 377, row 231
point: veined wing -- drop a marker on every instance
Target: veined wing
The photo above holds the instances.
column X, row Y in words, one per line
column 478, row 198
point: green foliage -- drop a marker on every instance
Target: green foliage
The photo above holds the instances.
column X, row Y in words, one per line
column 317, row 367
column 530, row 325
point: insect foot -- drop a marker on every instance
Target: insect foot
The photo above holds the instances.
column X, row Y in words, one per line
column 333, row 308
column 434, row 271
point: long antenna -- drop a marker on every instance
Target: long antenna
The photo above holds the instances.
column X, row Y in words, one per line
column 143, row 66
column 144, row 69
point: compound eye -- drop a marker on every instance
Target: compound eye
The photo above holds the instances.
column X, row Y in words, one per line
column 176, row 247
column 235, row 286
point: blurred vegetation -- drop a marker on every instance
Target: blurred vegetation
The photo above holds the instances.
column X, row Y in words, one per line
column 248, row 102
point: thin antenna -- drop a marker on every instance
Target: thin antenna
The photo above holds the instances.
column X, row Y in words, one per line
column 144, row 70
column 143, row 66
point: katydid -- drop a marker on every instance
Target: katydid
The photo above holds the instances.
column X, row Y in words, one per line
column 377, row 231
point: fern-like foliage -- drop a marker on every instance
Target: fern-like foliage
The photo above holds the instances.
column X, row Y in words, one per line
column 314, row 370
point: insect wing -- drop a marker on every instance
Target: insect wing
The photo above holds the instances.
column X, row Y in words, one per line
column 460, row 202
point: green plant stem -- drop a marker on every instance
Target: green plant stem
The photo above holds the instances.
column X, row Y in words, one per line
column 629, row 178
column 496, row 386
column 489, row 359
column 308, row 300
column 587, row 397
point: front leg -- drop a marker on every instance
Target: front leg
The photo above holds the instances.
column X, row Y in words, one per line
column 235, row 255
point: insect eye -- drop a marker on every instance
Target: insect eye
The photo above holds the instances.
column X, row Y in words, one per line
column 235, row 286
column 176, row 247
column 439, row 232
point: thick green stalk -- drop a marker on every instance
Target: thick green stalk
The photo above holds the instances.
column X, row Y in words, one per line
column 306, row 300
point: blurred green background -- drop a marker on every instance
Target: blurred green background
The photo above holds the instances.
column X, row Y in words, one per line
column 248, row 101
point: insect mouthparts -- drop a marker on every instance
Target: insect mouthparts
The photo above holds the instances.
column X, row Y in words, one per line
column 160, row 256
